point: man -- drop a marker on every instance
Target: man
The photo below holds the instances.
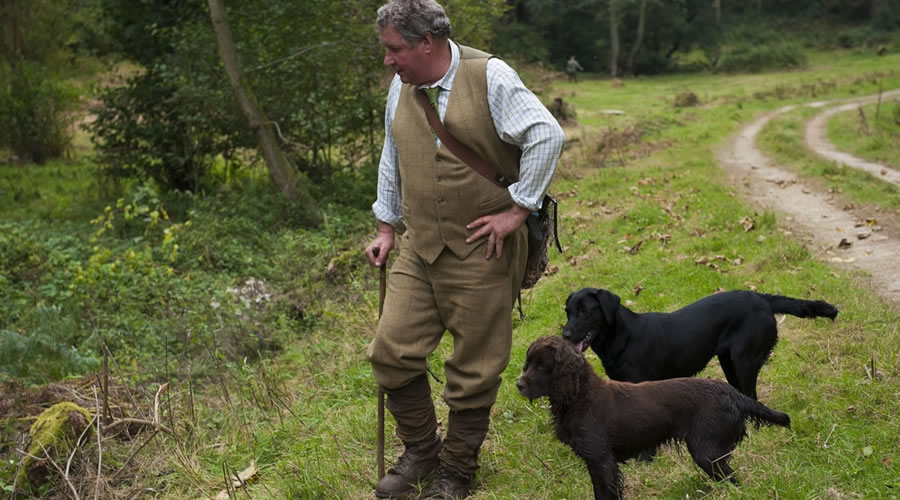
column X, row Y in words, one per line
column 572, row 69
column 464, row 250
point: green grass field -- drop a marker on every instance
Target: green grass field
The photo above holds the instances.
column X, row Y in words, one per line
column 665, row 190
column 645, row 212
column 872, row 133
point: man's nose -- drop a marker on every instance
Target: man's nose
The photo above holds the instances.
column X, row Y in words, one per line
column 388, row 60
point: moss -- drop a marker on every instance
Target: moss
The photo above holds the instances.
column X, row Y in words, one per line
column 55, row 430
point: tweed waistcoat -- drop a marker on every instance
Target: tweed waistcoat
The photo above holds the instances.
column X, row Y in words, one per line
column 440, row 193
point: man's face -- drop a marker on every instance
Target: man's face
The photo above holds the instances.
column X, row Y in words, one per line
column 409, row 62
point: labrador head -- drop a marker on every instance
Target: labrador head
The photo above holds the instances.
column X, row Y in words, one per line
column 590, row 313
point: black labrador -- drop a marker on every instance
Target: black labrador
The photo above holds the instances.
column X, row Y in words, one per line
column 738, row 327
column 607, row 422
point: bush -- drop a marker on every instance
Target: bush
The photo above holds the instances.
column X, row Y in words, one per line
column 35, row 111
column 152, row 128
column 519, row 41
column 651, row 63
column 755, row 59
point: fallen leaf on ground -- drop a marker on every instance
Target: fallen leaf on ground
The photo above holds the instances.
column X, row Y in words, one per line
column 636, row 248
column 246, row 475
column 747, row 223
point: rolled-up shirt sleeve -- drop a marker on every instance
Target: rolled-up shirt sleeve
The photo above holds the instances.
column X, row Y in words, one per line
column 388, row 206
column 521, row 119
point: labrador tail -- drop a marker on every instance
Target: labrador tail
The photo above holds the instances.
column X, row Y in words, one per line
column 800, row 307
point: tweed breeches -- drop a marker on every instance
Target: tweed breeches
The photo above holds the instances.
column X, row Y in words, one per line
column 472, row 299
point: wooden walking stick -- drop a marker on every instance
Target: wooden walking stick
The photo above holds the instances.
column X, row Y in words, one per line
column 379, row 452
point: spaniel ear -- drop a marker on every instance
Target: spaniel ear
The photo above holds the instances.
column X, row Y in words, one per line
column 609, row 304
column 567, row 374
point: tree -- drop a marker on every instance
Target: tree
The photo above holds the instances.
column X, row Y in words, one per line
column 614, row 20
column 283, row 171
column 642, row 22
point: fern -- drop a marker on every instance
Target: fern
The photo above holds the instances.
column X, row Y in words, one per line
column 44, row 354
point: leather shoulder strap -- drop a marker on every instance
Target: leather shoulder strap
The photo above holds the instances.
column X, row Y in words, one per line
column 463, row 152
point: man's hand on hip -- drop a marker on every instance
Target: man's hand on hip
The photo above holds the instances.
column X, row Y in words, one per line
column 497, row 227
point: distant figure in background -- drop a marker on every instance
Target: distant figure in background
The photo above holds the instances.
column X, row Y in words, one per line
column 572, row 69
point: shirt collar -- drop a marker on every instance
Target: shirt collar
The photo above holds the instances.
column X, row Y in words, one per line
column 446, row 83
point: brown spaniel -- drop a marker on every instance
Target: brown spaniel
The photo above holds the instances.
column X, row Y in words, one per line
column 606, row 422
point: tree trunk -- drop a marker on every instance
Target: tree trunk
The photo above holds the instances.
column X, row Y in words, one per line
column 717, row 6
column 284, row 173
column 614, row 39
column 12, row 32
column 642, row 18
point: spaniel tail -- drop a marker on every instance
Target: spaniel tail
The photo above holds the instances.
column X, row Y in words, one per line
column 762, row 414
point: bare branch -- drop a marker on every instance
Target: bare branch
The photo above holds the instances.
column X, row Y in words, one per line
column 136, row 421
column 135, row 452
column 99, row 441
column 64, row 474
column 285, row 58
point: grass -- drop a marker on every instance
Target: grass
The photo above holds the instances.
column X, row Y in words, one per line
column 60, row 189
column 872, row 133
column 306, row 416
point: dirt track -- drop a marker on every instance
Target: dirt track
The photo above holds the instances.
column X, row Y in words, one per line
column 815, row 216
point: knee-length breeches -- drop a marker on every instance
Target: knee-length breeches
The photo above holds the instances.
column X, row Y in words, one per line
column 472, row 298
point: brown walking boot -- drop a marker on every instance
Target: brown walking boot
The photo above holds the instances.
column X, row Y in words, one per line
column 459, row 455
column 413, row 411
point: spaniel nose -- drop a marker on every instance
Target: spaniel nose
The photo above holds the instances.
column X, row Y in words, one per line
column 520, row 384
column 567, row 333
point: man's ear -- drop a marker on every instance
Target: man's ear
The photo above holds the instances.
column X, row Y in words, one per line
column 428, row 43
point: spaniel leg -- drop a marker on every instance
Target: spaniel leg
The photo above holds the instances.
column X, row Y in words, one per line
column 606, row 478
column 712, row 455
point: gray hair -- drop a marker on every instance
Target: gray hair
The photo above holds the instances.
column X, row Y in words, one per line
column 413, row 19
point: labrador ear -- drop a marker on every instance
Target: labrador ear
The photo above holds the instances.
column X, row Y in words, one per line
column 609, row 304
column 567, row 371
